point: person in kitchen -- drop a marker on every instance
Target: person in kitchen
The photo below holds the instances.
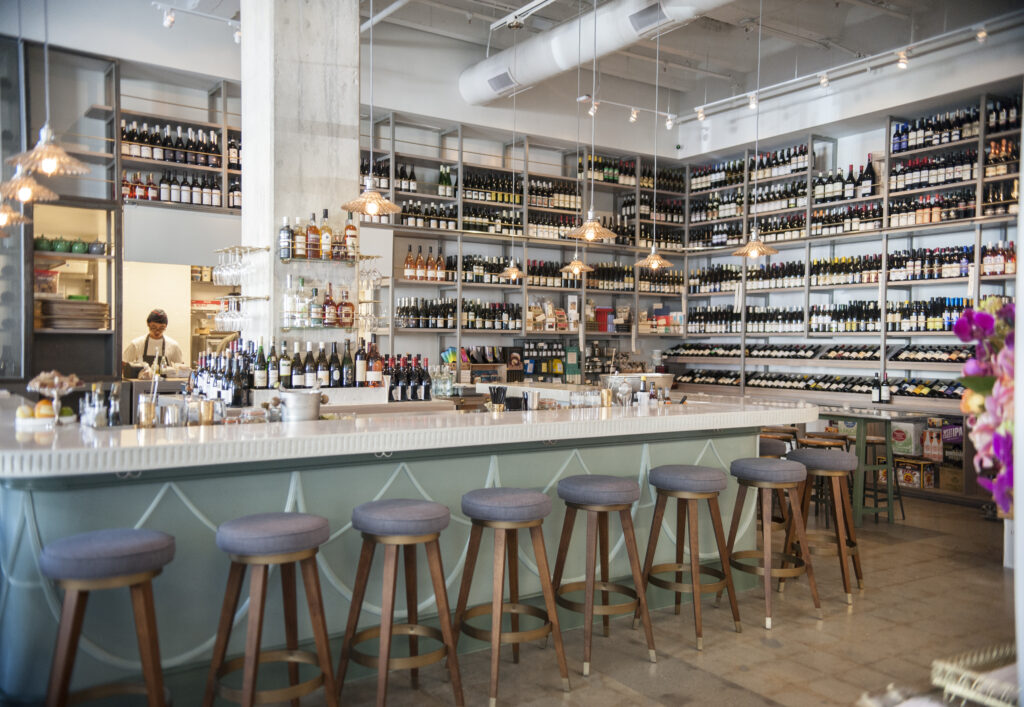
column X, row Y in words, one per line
column 152, row 346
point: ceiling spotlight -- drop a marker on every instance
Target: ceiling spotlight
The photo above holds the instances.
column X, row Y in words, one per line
column 823, row 81
column 752, row 101
column 633, row 115
column 168, row 17
column 238, row 36
column 593, row 109
column 669, row 122
column 700, row 113
column 901, row 59
column 981, row 35
column 583, row 99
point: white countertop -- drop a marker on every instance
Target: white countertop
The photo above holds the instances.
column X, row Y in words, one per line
column 77, row 451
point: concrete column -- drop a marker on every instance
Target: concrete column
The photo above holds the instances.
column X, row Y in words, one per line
column 300, row 130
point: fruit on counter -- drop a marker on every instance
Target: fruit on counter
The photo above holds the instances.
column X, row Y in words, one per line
column 44, row 408
column 66, row 411
column 24, row 412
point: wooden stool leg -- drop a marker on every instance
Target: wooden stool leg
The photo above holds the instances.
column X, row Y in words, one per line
column 652, row 546
column 841, row 547
column 695, row 571
column 588, row 592
column 602, row 543
column 563, row 546
column 780, row 496
column 444, row 617
column 257, row 602
column 723, row 553
column 467, row 578
column 734, row 526
column 851, row 531
column 681, row 507
column 71, row 615
column 149, row 645
column 314, row 598
column 512, row 555
column 291, row 620
column 497, row 595
column 634, row 564
column 766, row 539
column 799, row 524
column 227, row 616
column 355, row 608
column 409, row 551
column 804, row 491
column 541, row 555
column 387, row 620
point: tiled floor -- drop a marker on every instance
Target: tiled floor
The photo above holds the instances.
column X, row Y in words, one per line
column 934, row 586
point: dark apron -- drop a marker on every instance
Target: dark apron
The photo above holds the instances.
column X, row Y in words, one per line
column 145, row 351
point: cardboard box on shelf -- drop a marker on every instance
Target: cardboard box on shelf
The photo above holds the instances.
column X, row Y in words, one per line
column 917, row 473
column 906, row 438
column 933, row 444
column 951, row 479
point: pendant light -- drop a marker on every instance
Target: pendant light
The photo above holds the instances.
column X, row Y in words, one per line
column 511, row 271
column 577, row 267
column 591, row 229
column 10, row 217
column 371, row 202
column 47, row 156
column 755, row 247
column 25, row 189
column 653, row 261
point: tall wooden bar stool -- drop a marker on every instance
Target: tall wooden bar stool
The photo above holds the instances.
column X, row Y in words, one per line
column 506, row 511
column 598, row 496
column 790, row 430
column 772, row 446
column 400, row 524
column 765, row 475
column 106, row 559
column 873, row 442
column 821, row 440
column 259, row 541
column 834, row 467
column 688, row 485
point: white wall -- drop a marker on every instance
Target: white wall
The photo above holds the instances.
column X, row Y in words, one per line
column 149, row 286
column 175, row 236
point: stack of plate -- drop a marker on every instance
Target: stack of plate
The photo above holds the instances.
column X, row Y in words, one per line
column 67, row 314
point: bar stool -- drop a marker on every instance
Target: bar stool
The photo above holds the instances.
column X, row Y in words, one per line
column 259, row 541
column 766, row 475
column 506, row 510
column 835, row 467
column 106, row 559
column 824, row 440
column 773, row 447
column 399, row 523
column 789, row 430
column 688, row 485
column 875, row 441
column 599, row 495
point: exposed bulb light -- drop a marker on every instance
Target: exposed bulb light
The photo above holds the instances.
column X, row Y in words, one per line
column 901, row 59
column 752, row 101
column 593, row 109
column 48, row 157
column 576, row 267
column 981, row 35
column 10, row 217
column 591, row 230
column 700, row 113
column 238, row 36
column 823, row 81
column 371, row 202
column 511, row 272
column 168, row 18
column 25, row 189
column 633, row 115
column 669, row 122
column 653, row 261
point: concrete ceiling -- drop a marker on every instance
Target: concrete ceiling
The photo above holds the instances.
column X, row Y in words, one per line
column 717, row 56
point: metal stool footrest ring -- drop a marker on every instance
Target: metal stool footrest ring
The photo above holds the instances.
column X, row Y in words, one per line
column 484, row 634
column 686, row 588
column 283, row 694
column 97, row 692
column 798, row 568
column 825, row 545
column 625, row 607
column 413, row 661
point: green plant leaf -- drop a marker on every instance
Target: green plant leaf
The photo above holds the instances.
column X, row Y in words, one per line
column 979, row 384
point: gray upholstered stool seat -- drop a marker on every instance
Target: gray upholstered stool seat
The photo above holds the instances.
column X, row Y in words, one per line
column 272, row 533
column 400, row 516
column 506, row 504
column 684, row 477
column 768, row 470
column 107, row 553
column 598, row 490
column 825, row 459
column 772, row 447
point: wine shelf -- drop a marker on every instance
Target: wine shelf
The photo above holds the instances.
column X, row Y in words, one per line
column 928, row 149
column 163, row 165
column 934, row 188
column 844, row 202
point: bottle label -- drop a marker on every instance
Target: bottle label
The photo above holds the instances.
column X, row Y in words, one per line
column 324, row 377
column 361, row 371
column 309, row 380
column 372, row 376
column 273, row 377
column 259, row 378
column 336, row 375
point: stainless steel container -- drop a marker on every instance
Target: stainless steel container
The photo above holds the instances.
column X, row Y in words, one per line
column 301, row 405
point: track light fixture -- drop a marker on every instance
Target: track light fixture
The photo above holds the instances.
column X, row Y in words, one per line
column 823, row 81
column 238, row 36
column 669, row 122
column 901, row 59
column 981, row 35
column 170, row 13
column 593, row 109
column 700, row 113
column 633, row 115
column 752, row 101
column 168, row 18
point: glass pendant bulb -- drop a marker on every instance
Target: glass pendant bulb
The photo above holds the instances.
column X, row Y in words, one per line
column 371, row 202
column 48, row 157
column 511, row 272
column 10, row 217
column 591, row 230
column 653, row 261
column 755, row 248
column 576, row 267
column 25, row 189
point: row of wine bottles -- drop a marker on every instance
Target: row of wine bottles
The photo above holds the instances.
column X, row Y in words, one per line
column 881, row 391
column 938, row 129
column 836, row 188
column 156, row 143
column 620, row 171
column 725, row 319
column 665, row 210
column 1001, row 156
column 317, row 241
column 936, row 208
column 914, row 353
column 201, row 189
column 315, row 308
column 443, row 313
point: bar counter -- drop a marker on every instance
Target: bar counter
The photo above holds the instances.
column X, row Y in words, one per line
column 186, row 481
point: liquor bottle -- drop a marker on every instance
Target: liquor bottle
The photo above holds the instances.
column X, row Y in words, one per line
column 374, row 365
column 421, row 265
column 273, row 370
column 233, row 162
column 348, row 369
column 284, row 366
column 323, row 368
column 312, row 238
column 351, row 238
column 200, row 148
column 346, row 311
column 330, row 309
column 426, row 384
column 284, row 240
column 876, row 390
column 238, row 384
column 156, row 144
column 335, row 366
column 409, row 267
column 392, row 379
column 315, row 309
column 145, row 146
column 326, row 238
column 885, row 394
column 125, row 147
column 360, row 364
column 213, row 151
column 175, row 189
column 401, row 376
column 261, row 373
column 309, row 368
